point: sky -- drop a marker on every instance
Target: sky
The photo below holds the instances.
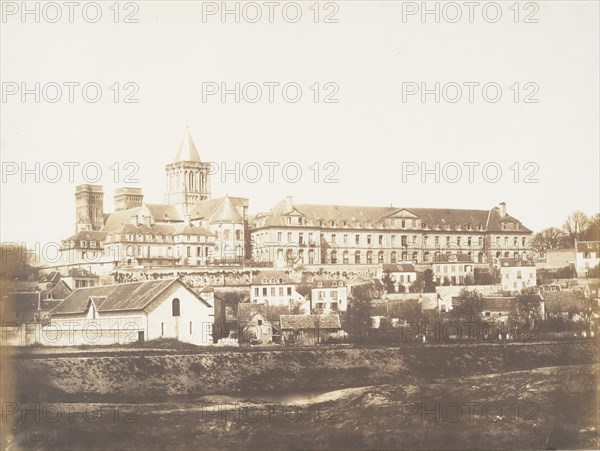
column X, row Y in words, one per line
column 518, row 96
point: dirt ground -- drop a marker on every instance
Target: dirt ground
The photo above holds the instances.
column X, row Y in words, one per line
column 506, row 397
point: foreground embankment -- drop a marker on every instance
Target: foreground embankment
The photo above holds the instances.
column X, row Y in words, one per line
column 134, row 377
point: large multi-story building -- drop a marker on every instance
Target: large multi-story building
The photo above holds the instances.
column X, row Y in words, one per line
column 300, row 234
column 189, row 229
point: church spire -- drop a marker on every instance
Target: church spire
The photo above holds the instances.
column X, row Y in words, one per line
column 187, row 149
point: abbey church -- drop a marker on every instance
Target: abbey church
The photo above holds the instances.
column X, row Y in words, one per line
column 188, row 229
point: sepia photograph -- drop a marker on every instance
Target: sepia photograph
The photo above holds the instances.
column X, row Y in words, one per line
column 300, row 225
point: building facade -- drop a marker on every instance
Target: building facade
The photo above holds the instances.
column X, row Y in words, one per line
column 328, row 296
column 275, row 288
column 517, row 274
column 587, row 256
column 304, row 234
column 189, row 229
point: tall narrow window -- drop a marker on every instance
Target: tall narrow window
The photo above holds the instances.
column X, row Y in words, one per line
column 175, row 307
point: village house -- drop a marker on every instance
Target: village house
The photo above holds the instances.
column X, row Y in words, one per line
column 402, row 275
column 517, row 274
column 453, row 269
column 328, row 296
column 310, row 329
column 587, row 256
column 80, row 278
column 253, row 324
column 276, row 288
column 129, row 312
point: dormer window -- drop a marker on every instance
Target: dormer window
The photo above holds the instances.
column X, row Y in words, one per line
column 281, row 280
column 424, row 225
column 334, row 284
column 320, row 223
column 300, row 220
column 356, row 223
column 264, row 280
column 332, row 223
column 289, row 220
column 320, row 284
column 345, row 223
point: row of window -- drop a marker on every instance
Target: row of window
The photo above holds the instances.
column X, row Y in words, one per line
column 405, row 240
column 282, row 291
column 402, row 223
column 332, row 294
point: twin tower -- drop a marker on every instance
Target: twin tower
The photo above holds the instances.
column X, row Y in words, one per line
column 188, row 182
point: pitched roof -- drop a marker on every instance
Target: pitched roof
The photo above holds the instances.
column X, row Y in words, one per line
column 163, row 212
column 81, row 272
column 563, row 301
column 454, row 218
column 226, row 212
column 588, row 246
column 452, row 258
column 258, row 279
column 88, row 235
column 223, row 209
column 327, row 283
column 511, row 262
column 118, row 218
column 499, row 303
column 183, row 229
column 126, row 296
column 187, row 149
column 398, row 267
column 247, row 310
column 49, row 304
column 331, row 321
column 60, row 291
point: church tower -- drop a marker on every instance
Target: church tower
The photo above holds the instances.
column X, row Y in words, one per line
column 188, row 178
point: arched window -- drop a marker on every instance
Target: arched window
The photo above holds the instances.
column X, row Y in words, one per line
column 480, row 257
column 346, row 258
column 357, row 257
column 404, row 256
column 393, row 257
column 333, row 257
column 370, row 257
column 415, row 256
column 175, row 307
column 380, row 257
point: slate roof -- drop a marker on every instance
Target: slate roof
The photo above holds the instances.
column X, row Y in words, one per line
column 453, row 258
column 60, row 291
column 398, row 267
column 563, row 301
column 225, row 209
column 588, row 246
column 118, row 218
column 81, row 272
column 498, row 304
column 187, row 149
column 163, row 212
column 126, row 296
column 247, row 310
column 87, row 235
column 291, row 322
column 456, row 219
column 257, row 279
column 49, row 304
column 514, row 262
column 327, row 283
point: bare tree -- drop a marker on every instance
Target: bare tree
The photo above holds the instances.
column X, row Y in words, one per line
column 575, row 226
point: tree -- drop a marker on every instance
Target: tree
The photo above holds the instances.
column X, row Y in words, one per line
column 527, row 313
column 428, row 285
column 592, row 233
column 358, row 315
column 548, row 238
column 468, row 308
column 387, row 281
column 575, row 226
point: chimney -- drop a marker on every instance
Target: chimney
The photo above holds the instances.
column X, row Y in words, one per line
column 288, row 204
column 503, row 209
